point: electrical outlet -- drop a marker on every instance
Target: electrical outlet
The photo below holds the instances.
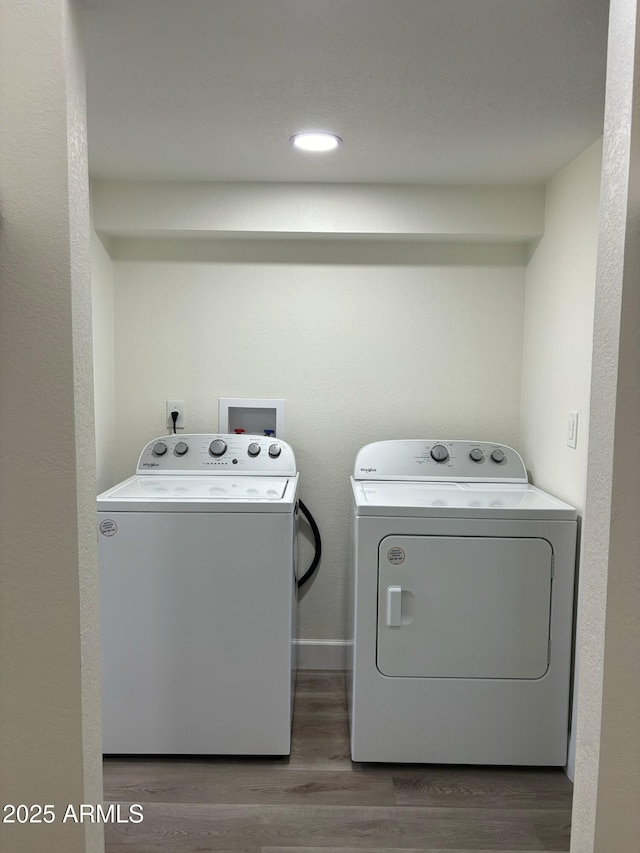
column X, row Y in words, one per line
column 175, row 406
column 572, row 430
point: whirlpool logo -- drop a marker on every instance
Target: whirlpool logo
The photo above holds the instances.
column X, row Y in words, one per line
column 367, row 470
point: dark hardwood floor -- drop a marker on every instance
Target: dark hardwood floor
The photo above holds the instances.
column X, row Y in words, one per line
column 317, row 801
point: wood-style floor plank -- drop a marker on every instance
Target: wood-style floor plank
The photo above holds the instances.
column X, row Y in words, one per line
column 318, row 681
column 317, row 801
column 444, row 787
column 554, row 831
column 185, row 782
column 384, row 850
column 362, row 827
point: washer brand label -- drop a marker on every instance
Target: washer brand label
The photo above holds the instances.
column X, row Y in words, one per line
column 368, row 470
column 395, row 556
column 150, row 464
column 108, row 527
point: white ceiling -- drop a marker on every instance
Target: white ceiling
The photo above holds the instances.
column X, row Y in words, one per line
column 421, row 91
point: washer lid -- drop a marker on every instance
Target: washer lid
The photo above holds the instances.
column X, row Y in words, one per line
column 457, row 500
column 144, row 493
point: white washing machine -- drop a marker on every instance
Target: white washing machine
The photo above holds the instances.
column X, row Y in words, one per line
column 198, row 598
column 462, row 591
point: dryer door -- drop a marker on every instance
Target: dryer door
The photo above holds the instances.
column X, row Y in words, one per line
column 464, row 607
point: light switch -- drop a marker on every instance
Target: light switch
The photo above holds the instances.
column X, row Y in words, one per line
column 572, row 430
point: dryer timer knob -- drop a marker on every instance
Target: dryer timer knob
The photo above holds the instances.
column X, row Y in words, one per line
column 218, row 447
column 439, row 452
column 498, row 455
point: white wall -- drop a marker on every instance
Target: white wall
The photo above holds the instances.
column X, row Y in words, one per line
column 103, row 361
column 50, row 740
column 558, row 330
column 607, row 790
column 359, row 353
column 170, row 208
column 558, row 334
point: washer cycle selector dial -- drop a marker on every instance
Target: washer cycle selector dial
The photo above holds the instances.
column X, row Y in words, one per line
column 274, row 451
column 181, row 448
column 218, row 447
column 498, row 455
column 253, row 449
column 159, row 449
column 439, row 452
column 476, row 454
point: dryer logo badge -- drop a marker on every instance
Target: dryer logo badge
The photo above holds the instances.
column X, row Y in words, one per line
column 395, row 556
column 368, row 470
column 108, row 527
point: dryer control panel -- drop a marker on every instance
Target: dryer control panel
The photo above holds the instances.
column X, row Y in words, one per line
column 440, row 459
column 217, row 453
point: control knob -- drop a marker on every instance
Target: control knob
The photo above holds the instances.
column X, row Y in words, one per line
column 159, row 448
column 218, row 447
column 181, row 448
column 476, row 454
column 253, row 449
column 498, row 455
column 274, row 451
column 439, row 452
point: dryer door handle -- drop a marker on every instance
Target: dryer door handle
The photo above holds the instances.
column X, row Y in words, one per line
column 394, row 606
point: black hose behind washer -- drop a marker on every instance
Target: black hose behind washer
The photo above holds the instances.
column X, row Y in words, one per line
column 317, row 541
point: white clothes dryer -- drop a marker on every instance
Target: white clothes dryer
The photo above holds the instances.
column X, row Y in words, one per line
column 198, row 598
column 461, row 590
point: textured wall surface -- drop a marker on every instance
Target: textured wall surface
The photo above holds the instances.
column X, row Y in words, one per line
column 359, row 353
column 607, row 790
column 49, row 701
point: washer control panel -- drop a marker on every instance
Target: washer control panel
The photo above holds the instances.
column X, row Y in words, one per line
column 436, row 459
column 219, row 454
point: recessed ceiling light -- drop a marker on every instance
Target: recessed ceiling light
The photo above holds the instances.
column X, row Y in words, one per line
column 316, row 141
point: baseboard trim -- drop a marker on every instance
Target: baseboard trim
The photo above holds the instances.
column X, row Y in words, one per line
column 322, row 654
